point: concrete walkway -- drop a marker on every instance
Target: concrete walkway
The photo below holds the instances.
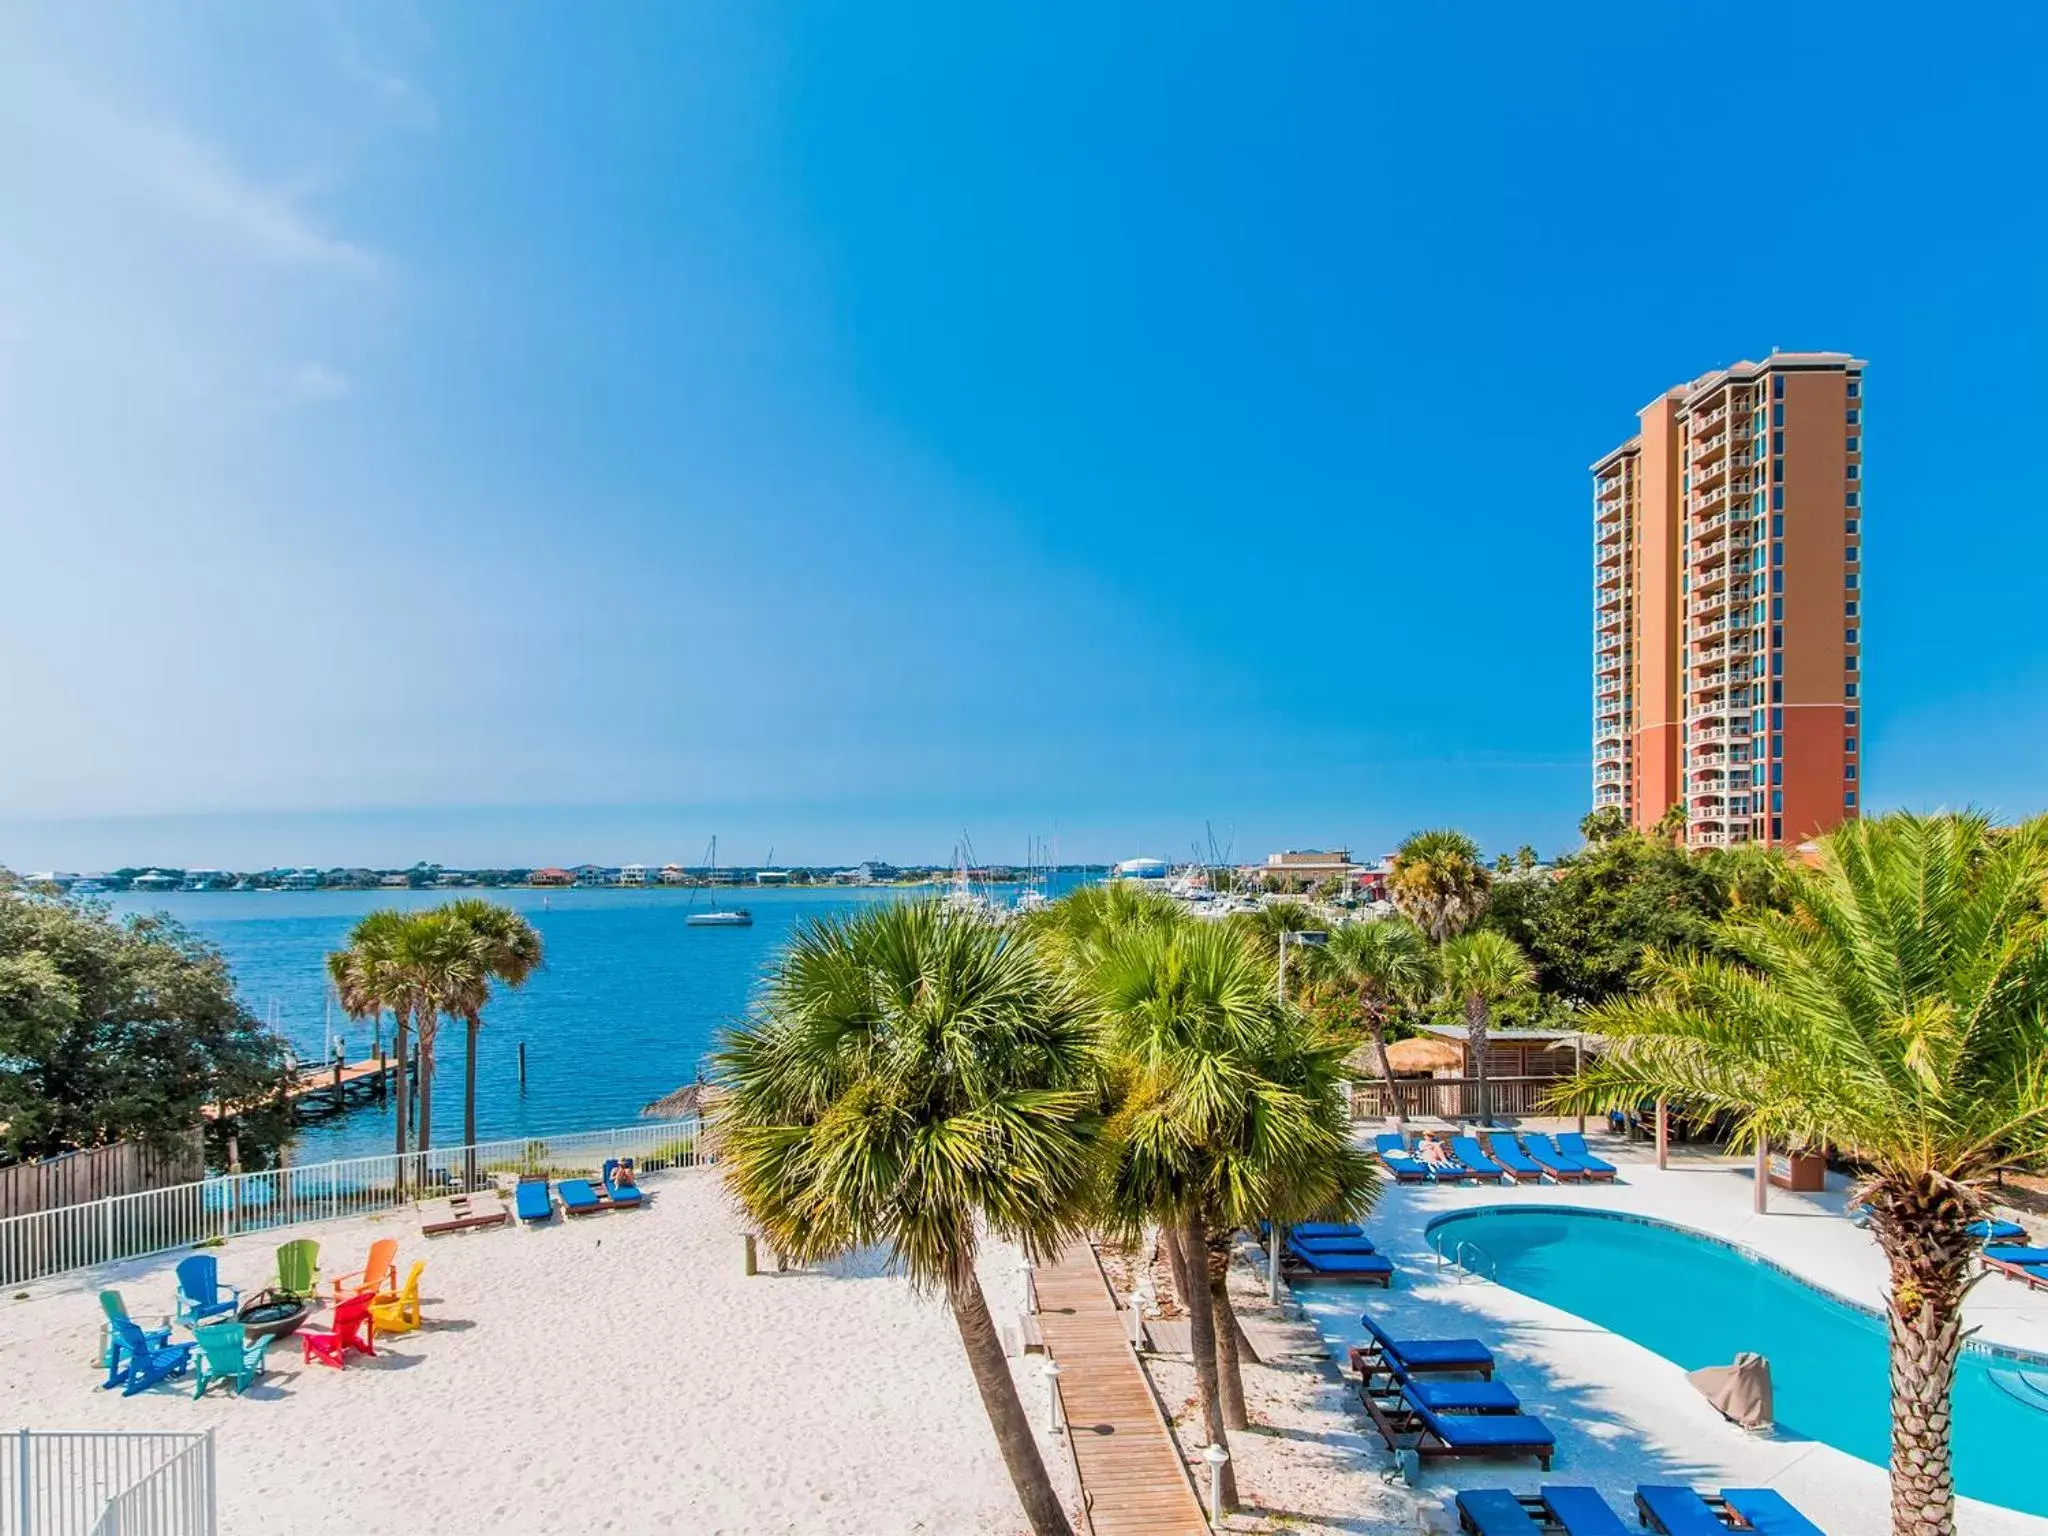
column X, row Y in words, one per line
column 1132, row 1480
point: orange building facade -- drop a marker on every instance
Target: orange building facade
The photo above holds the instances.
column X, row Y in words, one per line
column 1727, row 606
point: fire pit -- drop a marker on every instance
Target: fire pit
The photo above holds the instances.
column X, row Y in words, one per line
column 274, row 1314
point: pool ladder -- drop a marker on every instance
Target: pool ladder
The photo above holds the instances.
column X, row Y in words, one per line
column 1471, row 1258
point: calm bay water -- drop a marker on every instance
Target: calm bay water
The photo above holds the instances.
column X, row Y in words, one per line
column 629, row 1002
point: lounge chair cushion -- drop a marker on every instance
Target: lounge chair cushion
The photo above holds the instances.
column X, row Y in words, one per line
column 532, row 1201
column 1359, row 1244
column 2001, row 1254
column 1996, row 1231
column 1513, row 1158
column 1573, row 1145
column 1463, row 1431
column 1324, row 1229
column 1769, row 1512
column 1341, row 1263
column 1582, row 1512
column 1679, row 1511
column 1495, row 1512
column 1431, row 1354
column 1462, row 1396
column 577, row 1195
column 1468, row 1151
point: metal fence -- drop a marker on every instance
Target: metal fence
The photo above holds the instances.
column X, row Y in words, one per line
column 1452, row 1098
column 64, row 1483
column 46, row 1243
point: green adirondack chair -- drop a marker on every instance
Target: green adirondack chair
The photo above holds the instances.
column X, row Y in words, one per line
column 298, row 1263
column 227, row 1353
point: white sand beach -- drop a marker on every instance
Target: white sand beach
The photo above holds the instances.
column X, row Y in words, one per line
column 616, row 1373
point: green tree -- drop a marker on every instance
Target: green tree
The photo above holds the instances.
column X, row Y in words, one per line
column 1588, row 929
column 369, row 981
column 125, row 1030
column 507, row 952
column 1438, row 882
column 1226, row 1110
column 1898, row 1014
column 1480, row 972
column 441, row 966
column 910, row 1075
column 1598, row 826
column 1525, row 858
column 1386, row 967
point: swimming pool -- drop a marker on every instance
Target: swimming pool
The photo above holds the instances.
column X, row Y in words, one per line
column 1696, row 1302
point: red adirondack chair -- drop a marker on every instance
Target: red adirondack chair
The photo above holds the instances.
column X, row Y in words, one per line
column 352, row 1330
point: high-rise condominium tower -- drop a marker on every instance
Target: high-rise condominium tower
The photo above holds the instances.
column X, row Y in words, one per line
column 1727, row 604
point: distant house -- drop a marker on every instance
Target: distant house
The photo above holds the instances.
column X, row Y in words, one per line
column 1303, row 869
column 395, row 882
column 300, row 880
column 1514, row 1052
column 673, row 874
column 633, row 874
column 156, row 880
column 592, row 874
column 875, row 872
column 551, row 877
column 206, row 880
column 771, row 877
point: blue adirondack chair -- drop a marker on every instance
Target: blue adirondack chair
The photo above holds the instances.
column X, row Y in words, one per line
column 200, row 1294
column 147, row 1364
column 116, row 1310
column 227, row 1353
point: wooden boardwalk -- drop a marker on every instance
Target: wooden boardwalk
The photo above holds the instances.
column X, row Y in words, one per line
column 332, row 1086
column 1132, row 1480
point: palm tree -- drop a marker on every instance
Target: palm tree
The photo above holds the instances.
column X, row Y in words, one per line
column 508, row 951
column 1227, row 1111
column 1896, row 1014
column 911, row 1075
column 1603, row 825
column 1481, row 971
column 440, row 964
column 368, row 979
column 1437, row 880
column 1385, row 966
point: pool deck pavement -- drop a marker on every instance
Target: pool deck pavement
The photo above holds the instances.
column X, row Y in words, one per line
column 1624, row 1415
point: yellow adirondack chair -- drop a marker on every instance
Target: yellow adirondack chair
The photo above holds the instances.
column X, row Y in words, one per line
column 399, row 1312
column 377, row 1274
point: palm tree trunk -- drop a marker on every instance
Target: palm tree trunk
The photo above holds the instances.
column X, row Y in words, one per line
column 471, row 1024
column 1229, row 1364
column 1005, row 1412
column 1169, row 1239
column 1378, row 1025
column 1923, row 1234
column 399, row 1031
column 1475, row 1043
column 429, row 1028
column 1202, row 1342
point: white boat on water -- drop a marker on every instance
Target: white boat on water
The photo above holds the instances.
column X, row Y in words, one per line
column 717, row 916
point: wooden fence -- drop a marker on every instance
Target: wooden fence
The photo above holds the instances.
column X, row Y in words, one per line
column 1452, row 1098
column 95, row 1173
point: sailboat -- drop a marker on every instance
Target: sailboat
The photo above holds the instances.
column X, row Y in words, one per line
column 717, row 916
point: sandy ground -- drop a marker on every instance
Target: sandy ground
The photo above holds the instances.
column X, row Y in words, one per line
column 618, row 1373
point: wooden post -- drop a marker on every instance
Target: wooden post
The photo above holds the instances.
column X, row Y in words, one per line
column 1663, row 1133
column 383, row 1073
column 753, row 1262
column 522, row 1077
column 1579, row 1070
column 1763, row 1176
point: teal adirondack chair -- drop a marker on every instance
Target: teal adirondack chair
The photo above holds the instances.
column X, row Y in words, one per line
column 116, row 1353
column 227, row 1353
column 298, row 1266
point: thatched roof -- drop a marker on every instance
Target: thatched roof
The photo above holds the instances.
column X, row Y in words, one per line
column 1416, row 1057
column 698, row 1098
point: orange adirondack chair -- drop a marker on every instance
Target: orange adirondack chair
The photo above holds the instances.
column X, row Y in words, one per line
column 399, row 1311
column 379, row 1272
column 352, row 1330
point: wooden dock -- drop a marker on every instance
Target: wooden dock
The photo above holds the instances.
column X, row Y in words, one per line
column 333, row 1085
column 1133, row 1482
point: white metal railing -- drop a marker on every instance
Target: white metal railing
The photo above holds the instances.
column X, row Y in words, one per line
column 46, row 1243
column 115, row 1483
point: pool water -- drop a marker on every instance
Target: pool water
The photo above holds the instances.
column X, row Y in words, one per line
column 1697, row 1302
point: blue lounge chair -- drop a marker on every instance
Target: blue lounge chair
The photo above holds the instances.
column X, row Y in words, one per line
column 1575, row 1511
column 532, row 1202
column 621, row 1194
column 1468, row 1151
column 1677, row 1511
column 201, row 1296
column 147, row 1364
column 1573, row 1146
column 1397, row 1415
column 1401, row 1163
column 1322, row 1229
column 1768, row 1512
column 1370, row 1268
column 1455, row 1394
column 1359, row 1244
column 578, row 1198
column 1415, row 1357
column 1989, row 1231
column 2029, row 1265
column 1500, row 1146
column 1555, row 1163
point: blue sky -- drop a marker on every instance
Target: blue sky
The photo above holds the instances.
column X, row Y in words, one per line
column 500, row 434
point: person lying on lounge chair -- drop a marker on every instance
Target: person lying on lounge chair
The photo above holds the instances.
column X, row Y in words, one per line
column 622, row 1176
column 1432, row 1151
